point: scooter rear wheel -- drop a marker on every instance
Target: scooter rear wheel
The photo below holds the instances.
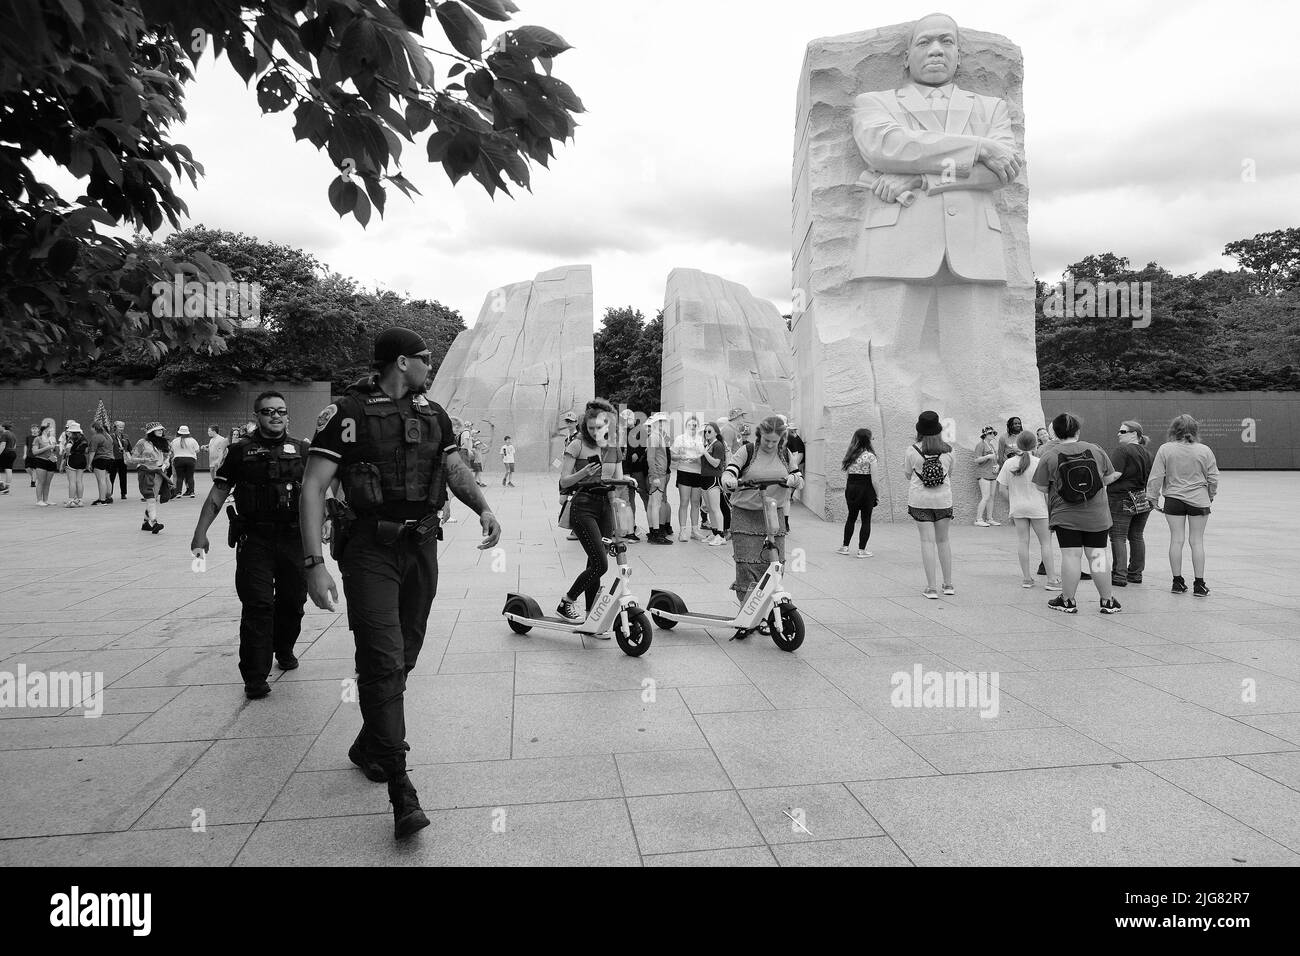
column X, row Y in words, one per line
column 787, row 627
column 659, row 601
column 636, row 641
column 518, row 606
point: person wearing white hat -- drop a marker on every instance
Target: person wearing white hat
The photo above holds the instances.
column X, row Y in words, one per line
column 73, row 447
column 658, row 463
column 185, row 456
column 149, row 457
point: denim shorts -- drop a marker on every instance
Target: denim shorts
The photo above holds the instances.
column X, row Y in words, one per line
column 1177, row 506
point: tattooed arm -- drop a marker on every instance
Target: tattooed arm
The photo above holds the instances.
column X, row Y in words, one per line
column 461, row 483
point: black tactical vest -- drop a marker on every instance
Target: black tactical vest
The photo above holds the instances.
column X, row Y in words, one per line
column 269, row 480
column 404, row 447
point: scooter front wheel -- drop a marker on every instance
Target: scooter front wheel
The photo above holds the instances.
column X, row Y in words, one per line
column 787, row 627
column 636, row 640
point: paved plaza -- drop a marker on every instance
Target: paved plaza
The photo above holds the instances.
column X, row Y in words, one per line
column 1169, row 734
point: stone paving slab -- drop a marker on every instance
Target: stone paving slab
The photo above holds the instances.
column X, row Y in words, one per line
column 1178, row 720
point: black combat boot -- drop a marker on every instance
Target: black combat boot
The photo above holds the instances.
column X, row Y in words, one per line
column 408, row 818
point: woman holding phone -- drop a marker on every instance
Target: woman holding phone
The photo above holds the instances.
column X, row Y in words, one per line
column 589, row 457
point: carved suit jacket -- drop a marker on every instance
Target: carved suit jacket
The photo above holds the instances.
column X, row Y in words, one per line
column 954, row 215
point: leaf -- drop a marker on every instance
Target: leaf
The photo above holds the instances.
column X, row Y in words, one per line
column 375, row 190
column 493, row 9
column 537, row 41
column 463, row 29
column 314, row 34
column 413, row 13
column 312, row 122
column 456, row 69
column 274, row 93
column 361, row 50
column 479, row 83
column 418, row 116
column 361, row 207
column 343, row 196
column 437, row 146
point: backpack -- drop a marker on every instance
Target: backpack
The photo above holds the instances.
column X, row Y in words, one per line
column 749, row 458
column 931, row 474
column 1077, row 477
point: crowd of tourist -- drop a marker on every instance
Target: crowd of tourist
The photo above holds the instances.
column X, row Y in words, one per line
column 1093, row 502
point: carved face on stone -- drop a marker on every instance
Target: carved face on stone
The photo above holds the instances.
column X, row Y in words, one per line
column 932, row 55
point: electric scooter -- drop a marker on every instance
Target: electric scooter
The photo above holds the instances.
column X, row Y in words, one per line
column 767, row 601
column 615, row 607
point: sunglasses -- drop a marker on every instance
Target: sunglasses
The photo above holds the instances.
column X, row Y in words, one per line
column 1123, row 431
column 277, row 412
column 426, row 357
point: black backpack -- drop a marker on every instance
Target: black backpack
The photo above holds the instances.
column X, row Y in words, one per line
column 1077, row 477
column 931, row 474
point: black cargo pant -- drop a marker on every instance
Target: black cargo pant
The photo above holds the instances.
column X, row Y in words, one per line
column 118, row 472
column 389, row 586
column 272, row 587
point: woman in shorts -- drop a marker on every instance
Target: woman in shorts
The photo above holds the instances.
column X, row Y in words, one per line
column 986, row 471
column 929, row 500
column 150, row 460
column 1080, row 520
column 688, row 449
column 43, row 461
column 1185, row 472
column 101, row 462
column 712, row 461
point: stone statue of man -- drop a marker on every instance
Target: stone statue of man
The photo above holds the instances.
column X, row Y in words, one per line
column 935, row 156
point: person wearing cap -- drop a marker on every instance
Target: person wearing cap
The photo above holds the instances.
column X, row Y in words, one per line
column 987, row 467
column 149, row 459
column 396, row 456
column 264, row 471
column 121, row 451
column 929, row 500
column 185, row 456
column 658, row 463
column 73, row 449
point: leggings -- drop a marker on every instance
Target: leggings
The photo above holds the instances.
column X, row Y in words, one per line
column 591, row 519
column 860, row 495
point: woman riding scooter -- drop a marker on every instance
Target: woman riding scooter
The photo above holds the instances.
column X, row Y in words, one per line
column 589, row 457
column 770, row 461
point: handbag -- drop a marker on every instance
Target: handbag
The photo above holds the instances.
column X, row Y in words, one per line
column 563, row 520
column 1136, row 504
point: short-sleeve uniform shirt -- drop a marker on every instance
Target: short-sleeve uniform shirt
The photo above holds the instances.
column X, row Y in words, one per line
column 337, row 434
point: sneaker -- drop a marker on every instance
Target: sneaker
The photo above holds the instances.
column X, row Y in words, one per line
column 157, row 526
column 683, row 537
column 1052, row 585
column 573, row 536
column 145, row 525
column 1179, row 586
column 931, row 594
column 69, row 504
column 1062, row 603
column 949, row 589
column 981, row 524
column 1027, row 583
column 1041, row 570
column 658, row 537
column 717, row 541
column 42, row 504
column 843, row 550
column 1110, row 607
column 699, row 535
column 1135, row 578
column 1118, row 582
column 286, row 662
column 451, row 520
column 257, row 691
column 569, row 610
column 996, row 524
column 1085, row 576
column 96, row 502
column 865, row 554
column 1199, row 588
column 631, row 537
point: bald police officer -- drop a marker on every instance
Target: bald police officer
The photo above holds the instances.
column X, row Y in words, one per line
column 265, row 472
column 396, row 455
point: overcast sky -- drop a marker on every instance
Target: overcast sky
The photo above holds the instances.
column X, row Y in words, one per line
column 1139, row 116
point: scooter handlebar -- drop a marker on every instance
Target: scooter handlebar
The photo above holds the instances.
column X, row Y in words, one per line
column 745, row 483
column 605, row 484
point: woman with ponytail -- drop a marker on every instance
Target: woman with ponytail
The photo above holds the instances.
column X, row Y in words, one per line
column 1028, row 509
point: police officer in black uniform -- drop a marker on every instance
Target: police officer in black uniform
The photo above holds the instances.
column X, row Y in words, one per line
column 396, row 455
column 265, row 472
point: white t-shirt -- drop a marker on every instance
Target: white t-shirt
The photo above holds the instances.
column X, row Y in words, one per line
column 1027, row 499
column 185, row 447
column 216, row 451
column 687, row 450
column 508, row 454
column 919, row 496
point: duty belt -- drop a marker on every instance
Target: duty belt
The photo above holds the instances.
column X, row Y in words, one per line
column 418, row 530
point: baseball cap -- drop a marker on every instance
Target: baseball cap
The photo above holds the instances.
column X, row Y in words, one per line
column 393, row 343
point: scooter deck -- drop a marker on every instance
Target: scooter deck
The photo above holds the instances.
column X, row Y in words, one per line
column 687, row 616
column 552, row 620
